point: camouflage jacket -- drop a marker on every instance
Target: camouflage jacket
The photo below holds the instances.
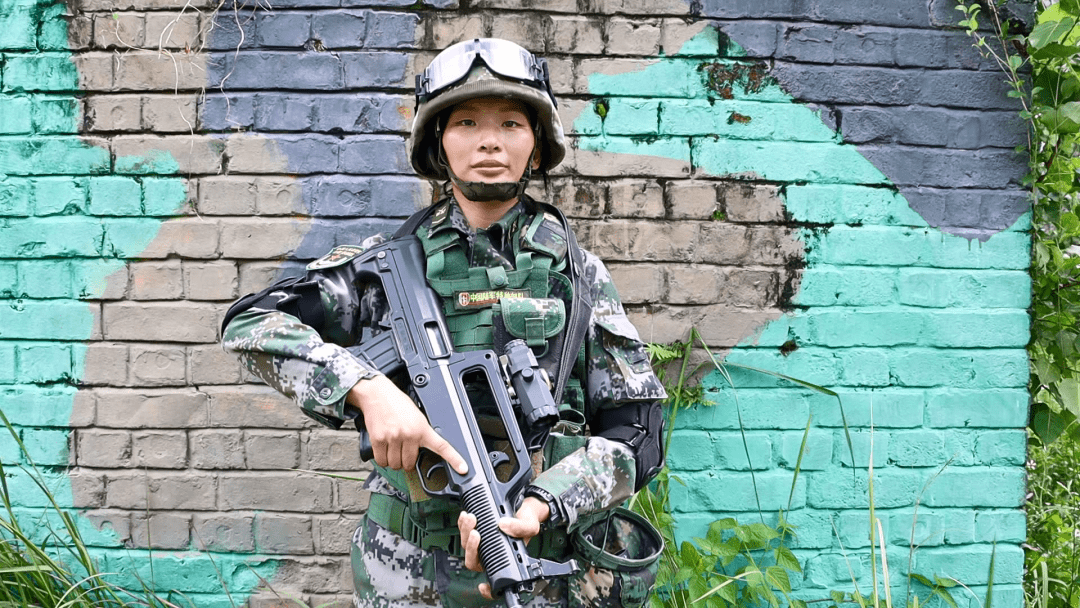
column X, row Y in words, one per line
column 310, row 365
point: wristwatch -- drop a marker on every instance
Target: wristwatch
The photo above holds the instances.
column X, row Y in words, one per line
column 556, row 517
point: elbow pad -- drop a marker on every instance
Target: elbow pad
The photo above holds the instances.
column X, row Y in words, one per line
column 293, row 296
column 639, row 426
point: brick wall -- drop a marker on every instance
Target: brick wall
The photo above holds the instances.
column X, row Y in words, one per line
column 824, row 189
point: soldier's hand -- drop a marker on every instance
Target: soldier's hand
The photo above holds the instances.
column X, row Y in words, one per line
column 397, row 428
column 524, row 525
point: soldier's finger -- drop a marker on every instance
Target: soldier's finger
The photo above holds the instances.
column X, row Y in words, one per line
column 519, row 528
column 472, row 552
column 380, row 450
column 485, row 590
column 442, row 447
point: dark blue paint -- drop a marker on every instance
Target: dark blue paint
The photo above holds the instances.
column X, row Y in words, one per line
column 282, row 29
column 367, row 154
column 340, row 29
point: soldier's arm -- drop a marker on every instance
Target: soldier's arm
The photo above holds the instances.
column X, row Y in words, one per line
column 625, row 415
column 292, row 336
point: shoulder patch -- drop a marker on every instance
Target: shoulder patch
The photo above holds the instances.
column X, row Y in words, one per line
column 547, row 234
column 336, row 257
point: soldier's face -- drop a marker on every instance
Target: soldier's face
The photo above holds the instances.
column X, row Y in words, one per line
column 489, row 140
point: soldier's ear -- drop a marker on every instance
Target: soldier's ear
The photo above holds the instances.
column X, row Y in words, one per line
column 536, row 158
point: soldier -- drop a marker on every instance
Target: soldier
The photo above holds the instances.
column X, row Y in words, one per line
column 507, row 267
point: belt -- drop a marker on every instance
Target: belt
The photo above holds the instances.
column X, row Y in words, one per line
column 440, row 531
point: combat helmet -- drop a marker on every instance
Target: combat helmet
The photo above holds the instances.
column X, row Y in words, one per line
column 483, row 67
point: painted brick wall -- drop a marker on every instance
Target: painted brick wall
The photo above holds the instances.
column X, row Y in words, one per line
column 826, row 189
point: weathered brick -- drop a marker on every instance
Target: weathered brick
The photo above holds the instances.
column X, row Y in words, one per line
column 156, row 281
column 168, row 154
column 157, row 366
column 661, row 158
column 257, row 406
column 439, row 30
column 279, row 491
column 741, row 287
column 260, row 239
column 330, row 451
column 575, row 35
column 43, row 362
column 223, row 532
column 168, row 30
column 112, row 522
column 159, row 449
column 638, row 198
column 161, row 321
column 87, row 488
column 95, row 71
column 333, row 534
column 151, row 408
column 284, row 534
column 639, row 283
column 103, row 448
column 212, row 365
column 193, row 237
column 279, row 196
column 692, row 199
column 255, row 154
column 162, row 490
column 350, row 495
column 686, row 37
column 256, row 276
column 119, row 30
column 210, row 280
column 227, row 195
column 629, row 7
column 114, row 112
column 169, row 114
column 217, row 449
column 272, row 449
column 161, row 530
column 152, row 71
column 105, row 364
column 633, row 37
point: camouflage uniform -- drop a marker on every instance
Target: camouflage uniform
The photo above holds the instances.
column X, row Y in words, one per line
column 312, row 367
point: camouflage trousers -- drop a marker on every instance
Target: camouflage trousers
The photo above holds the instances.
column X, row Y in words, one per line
column 390, row 572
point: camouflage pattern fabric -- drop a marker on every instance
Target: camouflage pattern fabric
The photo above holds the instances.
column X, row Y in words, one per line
column 313, row 368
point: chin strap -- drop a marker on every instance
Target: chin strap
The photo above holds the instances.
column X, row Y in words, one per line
column 482, row 192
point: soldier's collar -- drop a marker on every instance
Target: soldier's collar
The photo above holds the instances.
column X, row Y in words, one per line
column 450, row 216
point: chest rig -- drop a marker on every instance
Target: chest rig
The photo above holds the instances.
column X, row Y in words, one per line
column 476, row 298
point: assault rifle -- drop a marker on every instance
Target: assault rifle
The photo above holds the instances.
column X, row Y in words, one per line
column 417, row 350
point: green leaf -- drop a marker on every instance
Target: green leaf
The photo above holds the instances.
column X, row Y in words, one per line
column 945, row 596
column 1054, row 50
column 778, row 578
column 944, row 582
column 1069, row 389
column 922, row 579
column 730, row 593
column 1071, row 7
column 786, row 559
column 1050, row 31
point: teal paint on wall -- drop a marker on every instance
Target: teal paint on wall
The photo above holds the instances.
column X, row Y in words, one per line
column 915, row 328
column 63, row 238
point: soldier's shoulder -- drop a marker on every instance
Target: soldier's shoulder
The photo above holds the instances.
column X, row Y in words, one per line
column 343, row 254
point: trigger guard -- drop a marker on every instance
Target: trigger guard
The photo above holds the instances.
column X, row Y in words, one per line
column 424, row 475
column 498, row 458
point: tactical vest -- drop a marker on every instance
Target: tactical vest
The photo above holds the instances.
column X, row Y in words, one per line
column 486, row 307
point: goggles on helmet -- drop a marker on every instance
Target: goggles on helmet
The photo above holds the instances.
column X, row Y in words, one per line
column 501, row 57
